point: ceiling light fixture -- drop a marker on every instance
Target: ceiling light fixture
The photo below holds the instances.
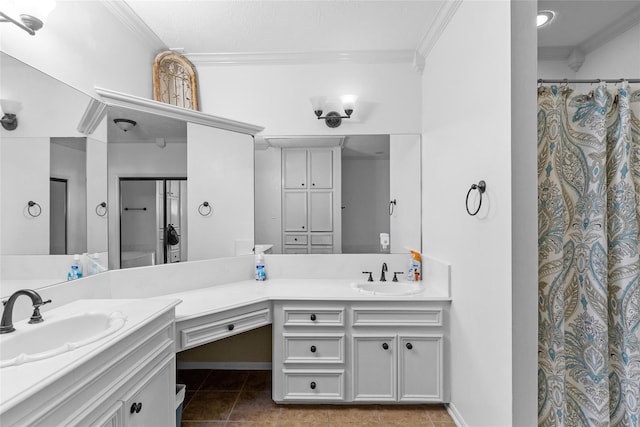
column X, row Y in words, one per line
column 334, row 119
column 31, row 15
column 124, row 124
column 545, row 17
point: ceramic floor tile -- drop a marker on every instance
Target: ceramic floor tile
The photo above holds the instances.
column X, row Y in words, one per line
column 209, row 406
column 403, row 415
column 220, row 380
column 303, row 415
column 203, row 424
column 192, row 378
column 258, row 381
column 438, row 413
column 187, row 398
column 362, row 414
column 255, row 406
column 252, row 424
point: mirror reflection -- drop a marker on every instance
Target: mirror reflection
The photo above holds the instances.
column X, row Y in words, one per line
column 338, row 194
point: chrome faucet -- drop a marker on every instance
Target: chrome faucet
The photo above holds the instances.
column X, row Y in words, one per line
column 384, row 269
column 6, row 324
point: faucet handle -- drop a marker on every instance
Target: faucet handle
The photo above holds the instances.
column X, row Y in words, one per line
column 395, row 277
column 42, row 303
column 36, row 317
column 370, row 279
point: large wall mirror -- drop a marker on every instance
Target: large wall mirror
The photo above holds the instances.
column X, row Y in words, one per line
column 53, row 181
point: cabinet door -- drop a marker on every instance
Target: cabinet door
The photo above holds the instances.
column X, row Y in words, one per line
column 152, row 402
column 374, row 368
column 321, row 169
column 420, row 368
column 295, row 211
column 321, row 210
column 294, row 168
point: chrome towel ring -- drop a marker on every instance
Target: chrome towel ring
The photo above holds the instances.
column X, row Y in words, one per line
column 33, row 206
column 205, row 209
column 481, row 187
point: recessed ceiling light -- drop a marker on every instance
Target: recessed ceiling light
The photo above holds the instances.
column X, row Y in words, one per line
column 545, row 17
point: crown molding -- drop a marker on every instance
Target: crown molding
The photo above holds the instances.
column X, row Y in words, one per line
column 123, row 12
column 119, row 99
column 611, row 31
column 149, row 141
column 305, row 141
column 447, row 10
column 554, row 53
column 93, row 115
column 279, row 58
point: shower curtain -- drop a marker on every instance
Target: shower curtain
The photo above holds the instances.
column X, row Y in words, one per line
column 588, row 290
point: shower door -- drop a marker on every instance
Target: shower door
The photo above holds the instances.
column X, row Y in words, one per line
column 149, row 208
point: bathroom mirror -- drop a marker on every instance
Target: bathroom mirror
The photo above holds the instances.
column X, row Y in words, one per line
column 53, row 177
column 338, row 194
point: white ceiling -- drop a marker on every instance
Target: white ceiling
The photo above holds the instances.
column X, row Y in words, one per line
column 342, row 26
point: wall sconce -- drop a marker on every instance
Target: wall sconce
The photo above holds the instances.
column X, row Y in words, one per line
column 10, row 109
column 32, row 13
column 333, row 119
column 124, row 124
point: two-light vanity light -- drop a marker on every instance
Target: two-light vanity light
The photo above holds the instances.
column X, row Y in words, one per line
column 29, row 15
column 334, row 119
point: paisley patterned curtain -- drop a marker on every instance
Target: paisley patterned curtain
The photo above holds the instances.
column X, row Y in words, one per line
column 588, row 222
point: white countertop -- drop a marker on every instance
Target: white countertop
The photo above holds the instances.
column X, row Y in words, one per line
column 22, row 381
column 199, row 302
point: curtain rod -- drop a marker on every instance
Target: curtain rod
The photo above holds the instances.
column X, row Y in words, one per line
column 588, row 81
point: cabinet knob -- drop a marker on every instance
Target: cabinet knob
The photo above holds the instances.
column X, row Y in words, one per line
column 303, row 184
column 231, row 326
column 312, row 317
column 295, row 239
column 314, row 184
column 385, row 346
column 409, row 346
column 136, row 407
column 303, row 227
column 313, row 349
column 312, row 385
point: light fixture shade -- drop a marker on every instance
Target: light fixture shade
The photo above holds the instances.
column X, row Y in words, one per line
column 348, row 103
column 124, row 124
column 544, row 17
column 10, row 106
column 38, row 9
column 317, row 103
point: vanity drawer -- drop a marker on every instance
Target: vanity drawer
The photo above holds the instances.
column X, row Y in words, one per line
column 296, row 250
column 295, row 239
column 313, row 316
column 322, row 239
column 326, row 348
column 224, row 327
column 313, row 385
column 397, row 317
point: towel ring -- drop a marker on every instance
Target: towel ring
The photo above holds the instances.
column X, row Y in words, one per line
column 481, row 187
column 392, row 207
column 104, row 209
column 205, row 209
column 31, row 205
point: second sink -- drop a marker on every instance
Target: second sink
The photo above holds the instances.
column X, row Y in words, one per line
column 388, row 288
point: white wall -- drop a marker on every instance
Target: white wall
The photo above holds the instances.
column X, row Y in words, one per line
column 220, row 172
column 268, row 198
column 365, row 196
column 466, row 119
column 138, row 160
column 555, row 69
column 277, row 96
column 97, row 225
column 139, row 231
column 84, row 45
column 619, row 58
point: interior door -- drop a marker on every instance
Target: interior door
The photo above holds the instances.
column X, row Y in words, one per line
column 58, row 217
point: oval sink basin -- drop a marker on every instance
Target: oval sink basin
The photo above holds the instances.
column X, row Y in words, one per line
column 388, row 288
column 53, row 337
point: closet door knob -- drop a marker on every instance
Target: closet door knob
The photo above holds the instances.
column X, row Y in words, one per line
column 385, row 346
column 409, row 346
column 312, row 385
column 313, row 349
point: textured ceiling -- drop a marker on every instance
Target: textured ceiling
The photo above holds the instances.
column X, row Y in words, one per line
column 288, row 26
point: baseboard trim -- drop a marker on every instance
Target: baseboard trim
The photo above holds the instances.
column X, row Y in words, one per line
column 455, row 415
column 239, row 366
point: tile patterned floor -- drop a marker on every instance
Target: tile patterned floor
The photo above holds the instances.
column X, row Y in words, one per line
column 243, row 399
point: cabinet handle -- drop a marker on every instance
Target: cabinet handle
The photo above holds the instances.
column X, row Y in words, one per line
column 409, row 346
column 312, row 385
column 136, row 407
column 385, row 346
column 231, row 326
column 313, row 349
column 313, row 317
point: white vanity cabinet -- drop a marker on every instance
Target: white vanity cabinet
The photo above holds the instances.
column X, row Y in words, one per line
column 130, row 382
column 359, row 351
